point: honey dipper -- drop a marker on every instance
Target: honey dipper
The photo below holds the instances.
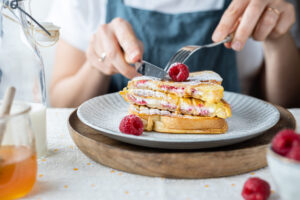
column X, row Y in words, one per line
column 5, row 108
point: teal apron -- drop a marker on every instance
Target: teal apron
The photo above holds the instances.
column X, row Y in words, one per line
column 163, row 34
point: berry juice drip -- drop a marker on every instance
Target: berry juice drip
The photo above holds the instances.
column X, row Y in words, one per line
column 18, row 168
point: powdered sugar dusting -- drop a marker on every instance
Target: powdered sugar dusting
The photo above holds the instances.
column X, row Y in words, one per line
column 205, row 76
column 138, row 78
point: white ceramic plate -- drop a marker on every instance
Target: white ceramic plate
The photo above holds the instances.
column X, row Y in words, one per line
column 250, row 118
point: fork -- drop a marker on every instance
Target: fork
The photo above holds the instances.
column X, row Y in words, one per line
column 185, row 52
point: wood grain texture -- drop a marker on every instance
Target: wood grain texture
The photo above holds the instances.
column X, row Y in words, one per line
column 217, row 162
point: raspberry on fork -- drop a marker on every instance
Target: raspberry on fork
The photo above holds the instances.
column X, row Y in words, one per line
column 132, row 125
column 283, row 142
column 179, row 72
column 256, row 189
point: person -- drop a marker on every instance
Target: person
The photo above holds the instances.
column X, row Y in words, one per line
column 101, row 38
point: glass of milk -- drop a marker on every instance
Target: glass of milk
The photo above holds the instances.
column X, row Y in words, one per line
column 38, row 121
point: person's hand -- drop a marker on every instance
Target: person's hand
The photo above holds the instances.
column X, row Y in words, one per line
column 113, row 46
column 261, row 19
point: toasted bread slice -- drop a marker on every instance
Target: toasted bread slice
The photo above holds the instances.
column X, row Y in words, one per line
column 167, row 122
column 204, row 85
column 173, row 103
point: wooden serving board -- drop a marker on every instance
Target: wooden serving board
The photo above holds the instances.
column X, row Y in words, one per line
column 217, row 162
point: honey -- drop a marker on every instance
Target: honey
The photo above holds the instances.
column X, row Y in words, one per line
column 18, row 169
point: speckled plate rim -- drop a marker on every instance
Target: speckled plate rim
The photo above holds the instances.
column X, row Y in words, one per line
column 235, row 138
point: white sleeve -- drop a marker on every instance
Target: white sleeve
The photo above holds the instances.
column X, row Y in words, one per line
column 77, row 19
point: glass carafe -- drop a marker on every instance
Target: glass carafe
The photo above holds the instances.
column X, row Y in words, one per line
column 21, row 65
column 18, row 164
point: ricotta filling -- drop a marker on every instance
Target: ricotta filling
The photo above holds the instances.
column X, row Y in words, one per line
column 163, row 104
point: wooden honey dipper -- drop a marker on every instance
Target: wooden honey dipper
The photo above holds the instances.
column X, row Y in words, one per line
column 5, row 109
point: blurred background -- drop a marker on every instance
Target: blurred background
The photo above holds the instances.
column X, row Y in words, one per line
column 42, row 8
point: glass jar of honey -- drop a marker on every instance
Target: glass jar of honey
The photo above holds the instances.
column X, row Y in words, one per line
column 18, row 162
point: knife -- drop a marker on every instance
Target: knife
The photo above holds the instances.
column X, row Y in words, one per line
column 147, row 69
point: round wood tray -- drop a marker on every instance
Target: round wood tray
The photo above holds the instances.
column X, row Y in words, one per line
column 209, row 163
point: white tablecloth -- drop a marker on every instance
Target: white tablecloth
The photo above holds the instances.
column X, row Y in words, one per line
column 66, row 173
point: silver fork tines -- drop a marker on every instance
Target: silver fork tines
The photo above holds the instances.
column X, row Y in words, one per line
column 185, row 52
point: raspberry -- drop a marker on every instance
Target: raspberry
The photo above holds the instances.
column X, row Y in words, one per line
column 179, row 72
column 141, row 82
column 132, row 125
column 284, row 141
column 256, row 189
column 294, row 153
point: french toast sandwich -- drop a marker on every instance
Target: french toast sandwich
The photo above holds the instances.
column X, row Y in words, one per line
column 195, row 106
